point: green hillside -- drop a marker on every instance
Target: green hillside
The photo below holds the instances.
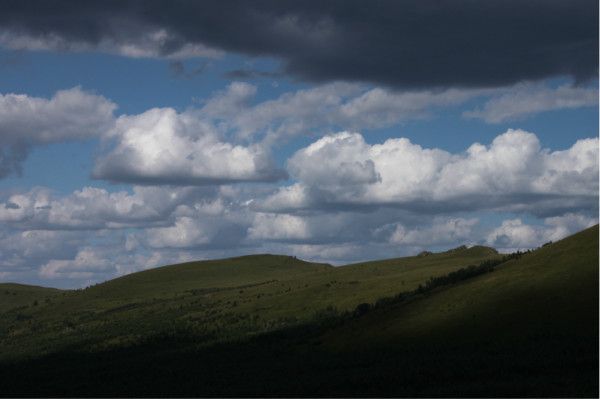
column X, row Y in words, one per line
column 213, row 300
column 273, row 325
column 554, row 287
column 529, row 327
column 17, row 295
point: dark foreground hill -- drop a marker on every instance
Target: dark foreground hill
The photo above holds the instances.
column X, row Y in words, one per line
column 526, row 325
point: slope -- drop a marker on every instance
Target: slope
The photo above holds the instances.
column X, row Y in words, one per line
column 528, row 328
column 553, row 288
column 17, row 295
column 213, row 300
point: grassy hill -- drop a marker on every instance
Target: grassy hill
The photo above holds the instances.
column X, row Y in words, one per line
column 275, row 325
column 213, row 300
column 554, row 287
column 19, row 295
column 528, row 328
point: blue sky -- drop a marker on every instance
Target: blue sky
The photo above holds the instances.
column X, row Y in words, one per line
column 117, row 155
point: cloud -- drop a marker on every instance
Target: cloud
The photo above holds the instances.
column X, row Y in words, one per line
column 287, row 199
column 22, row 250
column 228, row 103
column 349, row 200
column 186, row 232
column 203, row 226
column 290, row 114
column 323, row 108
column 379, row 107
column 94, row 208
column 345, row 158
column 278, row 228
column 396, row 43
column 94, row 264
column 514, row 234
column 86, row 263
column 442, row 231
column 41, row 233
column 92, row 235
column 513, row 171
column 210, row 144
column 525, row 100
column 161, row 146
column 343, row 106
column 333, row 226
column 148, row 43
column 27, row 121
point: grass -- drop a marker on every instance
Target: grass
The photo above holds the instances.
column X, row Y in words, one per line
column 527, row 328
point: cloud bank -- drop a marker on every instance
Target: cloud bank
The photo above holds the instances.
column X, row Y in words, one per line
column 230, row 137
column 394, row 43
column 513, row 172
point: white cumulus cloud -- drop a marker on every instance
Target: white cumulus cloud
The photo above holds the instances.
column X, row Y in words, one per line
column 161, row 146
column 513, row 171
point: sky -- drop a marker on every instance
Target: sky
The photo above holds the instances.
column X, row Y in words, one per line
column 135, row 134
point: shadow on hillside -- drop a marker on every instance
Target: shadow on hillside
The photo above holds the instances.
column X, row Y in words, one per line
column 295, row 362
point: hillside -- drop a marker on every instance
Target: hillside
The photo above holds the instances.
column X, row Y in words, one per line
column 531, row 326
column 215, row 300
column 541, row 290
column 17, row 295
column 527, row 327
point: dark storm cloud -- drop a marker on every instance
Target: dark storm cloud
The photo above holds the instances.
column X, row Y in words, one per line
column 418, row 43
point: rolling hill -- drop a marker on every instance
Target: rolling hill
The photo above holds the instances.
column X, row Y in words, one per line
column 275, row 325
column 216, row 300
